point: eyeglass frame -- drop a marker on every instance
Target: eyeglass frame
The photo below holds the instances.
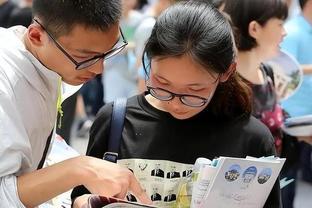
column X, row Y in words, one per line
column 180, row 96
column 99, row 57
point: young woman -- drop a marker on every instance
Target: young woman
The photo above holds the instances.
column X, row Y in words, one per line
column 259, row 30
column 195, row 106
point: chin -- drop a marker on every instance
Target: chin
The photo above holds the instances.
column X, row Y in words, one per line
column 182, row 116
column 74, row 82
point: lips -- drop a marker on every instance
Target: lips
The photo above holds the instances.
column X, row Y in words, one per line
column 180, row 113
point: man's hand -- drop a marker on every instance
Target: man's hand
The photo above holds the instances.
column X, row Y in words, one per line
column 98, row 176
column 109, row 179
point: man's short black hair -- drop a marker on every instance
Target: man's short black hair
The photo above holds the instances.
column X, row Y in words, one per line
column 60, row 16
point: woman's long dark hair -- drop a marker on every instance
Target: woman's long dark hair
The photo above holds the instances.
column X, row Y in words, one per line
column 197, row 29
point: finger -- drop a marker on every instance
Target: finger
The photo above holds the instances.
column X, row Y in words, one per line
column 138, row 191
column 115, row 190
column 122, row 194
column 81, row 201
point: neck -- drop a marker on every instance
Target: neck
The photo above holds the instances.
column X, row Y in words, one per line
column 248, row 61
column 248, row 66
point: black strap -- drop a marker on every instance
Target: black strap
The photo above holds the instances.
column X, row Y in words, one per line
column 269, row 71
column 117, row 124
column 45, row 152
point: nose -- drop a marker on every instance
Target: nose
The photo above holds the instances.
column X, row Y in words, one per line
column 175, row 103
column 97, row 68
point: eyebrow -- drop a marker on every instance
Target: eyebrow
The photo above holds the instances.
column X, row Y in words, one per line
column 189, row 85
column 160, row 77
column 196, row 85
column 87, row 51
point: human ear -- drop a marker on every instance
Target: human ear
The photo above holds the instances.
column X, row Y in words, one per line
column 36, row 35
column 225, row 76
column 253, row 29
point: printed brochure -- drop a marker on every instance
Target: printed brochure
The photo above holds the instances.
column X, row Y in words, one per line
column 298, row 126
column 224, row 182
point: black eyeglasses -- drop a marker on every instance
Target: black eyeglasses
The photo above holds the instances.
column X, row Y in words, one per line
column 189, row 100
column 93, row 60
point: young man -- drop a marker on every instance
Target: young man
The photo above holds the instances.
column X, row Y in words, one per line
column 67, row 40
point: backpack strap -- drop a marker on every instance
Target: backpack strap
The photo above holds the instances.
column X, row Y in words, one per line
column 117, row 124
column 269, row 71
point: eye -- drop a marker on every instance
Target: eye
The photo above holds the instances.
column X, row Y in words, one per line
column 162, row 81
column 81, row 57
column 197, row 89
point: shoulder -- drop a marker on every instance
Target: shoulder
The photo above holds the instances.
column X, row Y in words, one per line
column 100, row 128
column 7, row 37
column 251, row 128
column 11, row 46
column 9, row 74
column 256, row 127
column 259, row 139
column 102, row 121
column 104, row 115
column 99, row 131
column 105, row 112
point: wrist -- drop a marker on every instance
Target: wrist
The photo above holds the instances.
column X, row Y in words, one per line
column 83, row 170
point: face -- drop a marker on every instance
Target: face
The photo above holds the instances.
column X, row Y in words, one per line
column 81, row 44
column 181, row 75
column 269, row 37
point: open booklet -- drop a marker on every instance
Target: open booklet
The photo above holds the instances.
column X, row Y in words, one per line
column 223, row 182
column 298, row 126
column 235, row 182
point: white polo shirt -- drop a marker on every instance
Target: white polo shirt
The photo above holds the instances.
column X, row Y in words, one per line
column 28, row 96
